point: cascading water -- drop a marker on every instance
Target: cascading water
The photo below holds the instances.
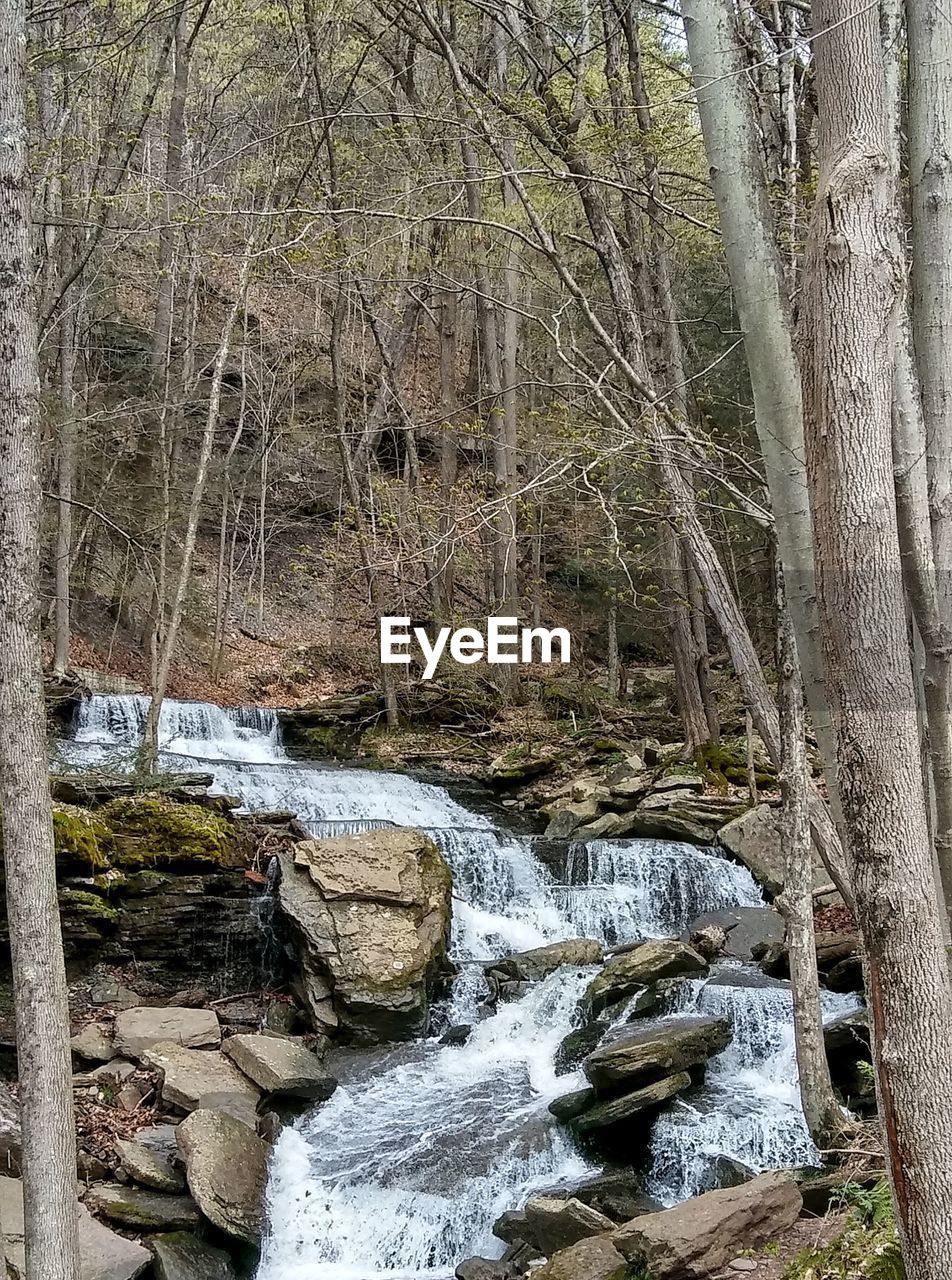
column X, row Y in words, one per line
column 402, row 1173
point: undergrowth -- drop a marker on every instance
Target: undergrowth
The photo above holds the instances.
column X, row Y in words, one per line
column 867, row 1249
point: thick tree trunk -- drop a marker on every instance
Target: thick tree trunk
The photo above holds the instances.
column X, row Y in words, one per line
column 39, row 979
column 851, row 291
column 911, row 463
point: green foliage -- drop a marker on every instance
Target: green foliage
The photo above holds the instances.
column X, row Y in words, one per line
column 868, row 1248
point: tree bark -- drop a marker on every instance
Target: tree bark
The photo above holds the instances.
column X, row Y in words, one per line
column 39, row 978
column 150, row 742
column 850, row 297
column 911, row 467
column 737, row 176
column 825, row 1118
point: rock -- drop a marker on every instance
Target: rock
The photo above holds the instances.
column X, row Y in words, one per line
column 242, row 1011
column 754, row 840
column 116, row 1070
column 457, row 1035
column 572, row 1104
column 615, row 1110
column 109, row 991
column 281, row 1067
column 686, row 780
column 483, row 1269
column 93, row 1044
column 593, row 1259
column 742, row 1264
column 618, row 1194
column 624, row 974
column 520, row 765
column 709, row 941
column 144, row 1210
column 567, row 818
column 703, row 1234
column 140, row 1029
column 370, row 918
column 578, row 1044
column 11, row 1137
column 226, row 1169
column 747, row 928
column 182, row 1256
column 680, row 814
column 131, row 1096
column 103, row 1255
column 667, row 1047
column 556, row 1224
column 191, row 1075
column 632, row 768
column 510, row 1227
column 533, row 966
column 608, row 826
column 147, row 1159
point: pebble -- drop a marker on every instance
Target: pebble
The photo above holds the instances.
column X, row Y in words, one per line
column 743, row 1264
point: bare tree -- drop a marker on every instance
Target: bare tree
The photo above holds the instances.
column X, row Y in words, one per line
column 39, row 977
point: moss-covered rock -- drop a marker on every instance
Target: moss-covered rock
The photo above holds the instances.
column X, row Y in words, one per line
column 151, row 830
column 81, row 903
column 81, row 838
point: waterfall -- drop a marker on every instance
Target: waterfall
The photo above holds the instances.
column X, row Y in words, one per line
column 402, row 1173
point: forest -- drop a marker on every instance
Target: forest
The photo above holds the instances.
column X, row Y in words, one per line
column 620, row 326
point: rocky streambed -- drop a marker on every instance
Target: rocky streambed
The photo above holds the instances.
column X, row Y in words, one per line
column 443, row 1053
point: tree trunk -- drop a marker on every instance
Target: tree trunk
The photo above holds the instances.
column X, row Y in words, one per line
column 150, row 742
column 65, row 473
column 733, row 151
column 39, row 978
column 851, row 291
column 825, row 1118
column 911, row 473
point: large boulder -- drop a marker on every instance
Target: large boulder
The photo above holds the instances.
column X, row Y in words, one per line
column 226, row 1168
column 103, row 1255
column 649, row 1053
column 191, row 1076
column 592, row 1259
column 141, row 1209
column 180, row 1255
column 280, row 1067
column 754, row 839
column 140, row 1029
column 533, row 966
column 370, row 918
column 627, row 973
column 552, row 1224
column 700, row 1236
column 604, row 1114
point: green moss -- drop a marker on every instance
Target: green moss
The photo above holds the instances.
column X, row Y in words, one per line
column 89, row 906
column 150, row 830
column 81, row 838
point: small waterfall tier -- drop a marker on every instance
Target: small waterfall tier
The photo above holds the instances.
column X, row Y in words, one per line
column 403, row 1172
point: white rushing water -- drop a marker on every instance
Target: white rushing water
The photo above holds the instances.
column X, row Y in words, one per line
column 402, row 1173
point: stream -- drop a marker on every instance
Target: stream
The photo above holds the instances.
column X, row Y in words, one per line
column 403, row 1172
